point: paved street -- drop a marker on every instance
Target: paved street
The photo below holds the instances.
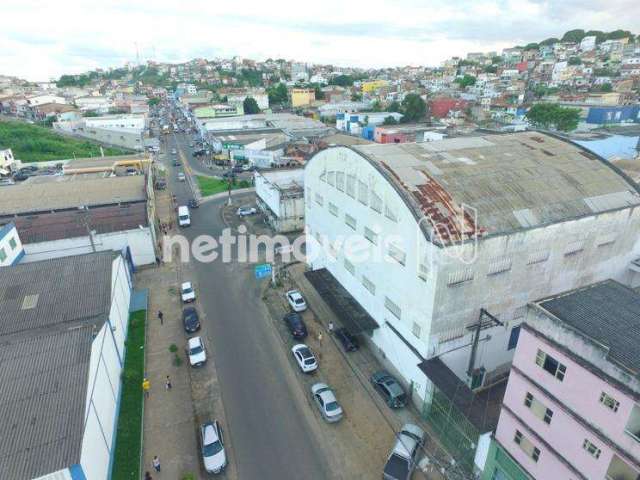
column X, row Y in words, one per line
column 270, row 427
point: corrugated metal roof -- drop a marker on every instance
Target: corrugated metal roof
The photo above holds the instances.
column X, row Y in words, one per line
column 513, row 181
column 607, row 312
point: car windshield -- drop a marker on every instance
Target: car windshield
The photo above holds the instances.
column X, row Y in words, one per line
column 298, row 300
column 184, row 217
column 187, row 290
column 309, row 361
column 196, row 350
column 331, row 406
column 212, row 449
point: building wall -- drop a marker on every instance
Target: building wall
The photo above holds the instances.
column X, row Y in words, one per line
column 301, row 97
column 135, row 122
column 285, row 214
column 140, row 242
column 104, row 387
column 11, row 249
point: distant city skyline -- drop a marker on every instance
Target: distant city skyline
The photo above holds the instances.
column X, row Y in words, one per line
column 42, row 41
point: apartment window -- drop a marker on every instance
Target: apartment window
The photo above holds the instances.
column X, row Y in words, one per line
column 591, row 448
column 416, row 330
column 574, row 248
column 323, row 177
column 369, row 285
column 351, row 186
column 371, row 235
column 393, row 308
column 499, row 265
column 390, row 214
column 376, row 202
column 527, row 447
column 333, row 209
column 3, row 255
column 349, row 267
column 350, row 221
column 460, row 276
column 12, row 243
column 609, row 402
column 319, row 199
column 363, row 193
column 538, row 409
column 513, row 337
column 551, row 365
column 397, row 254
column 423, row 272
column 538, row 257
column 340, row 181
column 331, row 178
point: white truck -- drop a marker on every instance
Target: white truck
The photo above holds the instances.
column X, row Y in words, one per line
column 404, row 456
column 184, row 219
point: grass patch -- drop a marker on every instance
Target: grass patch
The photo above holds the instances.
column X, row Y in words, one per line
column 211, row 186
column 127, row 455
column 33, row 143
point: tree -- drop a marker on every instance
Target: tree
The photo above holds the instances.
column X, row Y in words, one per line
column 342, row 80
column 376, row 106
column 278, row 94
column 466, row 81
column 490, row 69
column 390, row 120
column 250, row 106
column 574, row 61
column 496, row 60
column 531, row 46
column 394, row 107
column 413, row 108
column 356, row 97
column 606, row 88
column 153, row 101
column 549, row 41
column 574, row 36
column 319, row 92
column 551, row 115
column 90, row 113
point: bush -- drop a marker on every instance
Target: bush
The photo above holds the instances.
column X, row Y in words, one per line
column 173, row 348
column 177, row 361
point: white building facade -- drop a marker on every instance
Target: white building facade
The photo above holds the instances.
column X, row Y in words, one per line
column 432, row 277
column 281, row 198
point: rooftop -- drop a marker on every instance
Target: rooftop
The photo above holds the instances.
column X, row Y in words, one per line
column 513, row 182
column 63, row 192
column 607, row 313
column 48, row 311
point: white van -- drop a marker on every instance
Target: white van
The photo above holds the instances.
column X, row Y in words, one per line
column 184, row 219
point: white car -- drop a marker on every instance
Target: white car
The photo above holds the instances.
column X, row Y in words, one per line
column 196, row 352
column 187, row 293
column 181, row 177
column 326, row 401
column 174, row 151
column 296, row 300
column 305, row 358
column 246, row 211
column 214, row 456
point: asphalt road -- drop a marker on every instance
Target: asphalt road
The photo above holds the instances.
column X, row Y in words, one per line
column 268, row 420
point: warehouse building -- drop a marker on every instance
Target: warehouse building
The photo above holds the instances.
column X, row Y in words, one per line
column 68, row 215
column 280, row 196
column 63, row 326
column 468, row 230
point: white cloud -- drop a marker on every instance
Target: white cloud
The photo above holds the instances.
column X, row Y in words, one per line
column 40, row 40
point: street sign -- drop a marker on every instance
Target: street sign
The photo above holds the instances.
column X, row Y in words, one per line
column 263, row 270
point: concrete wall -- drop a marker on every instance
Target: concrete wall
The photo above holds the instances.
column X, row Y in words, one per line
column 140, row 241
column 104, row 386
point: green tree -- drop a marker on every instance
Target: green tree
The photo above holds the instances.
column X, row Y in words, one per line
column 574, row 61
column 319, row 92
column 278, row 94
column 342, row 80
column 574, row 36
column 490, row 69
column 394, row 106
column 466, row 81
column 153, row 101
column 413, row 108
column 376, row 106
column 250, row 106
column 497, row 60
column 356, row 97
column 551, row 115
column 606, row 88
column 531, row 46
column 549, row 41
column 90, row 113
column 390, row 120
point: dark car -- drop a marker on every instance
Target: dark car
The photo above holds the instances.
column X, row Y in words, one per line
column 193, row 203
column 237, row 169
column 190, row 320
column 296, row 326
column 348, row 341
column 176, row 163
column 228, row 175
column 389, row 388
column 20, row 177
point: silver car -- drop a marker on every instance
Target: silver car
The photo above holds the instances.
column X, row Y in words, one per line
column 327, row 403
column 214, row 456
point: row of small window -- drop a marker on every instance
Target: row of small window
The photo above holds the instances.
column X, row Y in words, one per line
column 533, row 452
column 365, row 195
column 559, row 370
column 13, row 243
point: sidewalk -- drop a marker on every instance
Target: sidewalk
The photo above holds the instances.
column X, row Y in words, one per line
column 169, row 430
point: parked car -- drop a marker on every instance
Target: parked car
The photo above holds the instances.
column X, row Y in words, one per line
column 193, row 203
column 228, row 175
column 176, row 163
column 327, row 403
column 305, row 358
column 348, row 341
column 237, row 169
column 196, row 352
column 404, row 456
column 190, row 320
column 296, row 325
column 174, row 151
column 389, row 388
column 161, row 185
column 187, row 293
column 181, row 177
column 214, row 457
column 296, row 300
column 246, row 211
column 21, row 176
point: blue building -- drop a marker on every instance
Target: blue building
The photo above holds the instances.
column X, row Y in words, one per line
column 614, row 114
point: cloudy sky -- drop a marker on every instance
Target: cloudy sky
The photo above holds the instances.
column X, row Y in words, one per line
column 41, row 39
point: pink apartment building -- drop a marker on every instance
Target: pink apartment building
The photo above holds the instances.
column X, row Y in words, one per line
column 572, row 405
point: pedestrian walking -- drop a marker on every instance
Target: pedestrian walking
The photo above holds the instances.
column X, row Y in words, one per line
column 146, row 386
column 156, row 463
column 330, row 328
column 168, row 383
column 320, row 338
column 147, row 476
column 161, row 317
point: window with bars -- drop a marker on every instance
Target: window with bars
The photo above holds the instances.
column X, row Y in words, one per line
column 526, row 446
column 538, row 409
column 609, row 402
column 363, row 193
column 540, row 256
column 390, row 213
column 371, row 235
column 423, row 272
column 551, row 365
column 349, row 267
column 350, row 221
column 591, row 449
column 416, row 330
column 369, row 285
column 319, row 199
column 331, row 178
column 392, row 307
column 376, row 202
column 351, row 186
column 333, row 209
column 340, row 181
column 397, row 254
